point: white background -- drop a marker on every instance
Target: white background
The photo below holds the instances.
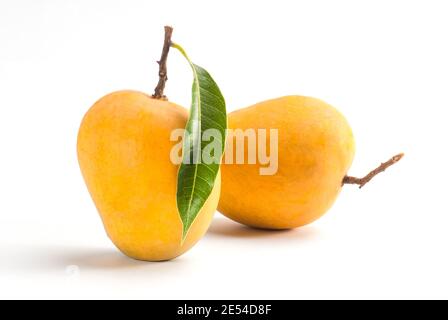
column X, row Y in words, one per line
column 382, row 63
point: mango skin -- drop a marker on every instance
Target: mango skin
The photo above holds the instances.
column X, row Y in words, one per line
column 315, row 150
column 124, row 154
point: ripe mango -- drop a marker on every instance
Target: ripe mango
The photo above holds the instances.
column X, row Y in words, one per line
column 315, row 150
column 124, row 154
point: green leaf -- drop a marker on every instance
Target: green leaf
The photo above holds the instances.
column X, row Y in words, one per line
column 201, row 162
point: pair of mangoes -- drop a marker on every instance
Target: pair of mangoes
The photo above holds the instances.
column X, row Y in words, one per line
column 124, row 152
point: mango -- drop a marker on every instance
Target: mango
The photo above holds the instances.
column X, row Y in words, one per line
column 124, row 154
column 315, row 150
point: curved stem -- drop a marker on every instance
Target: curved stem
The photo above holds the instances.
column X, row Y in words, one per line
column 182, row 51
column 364, row 180
column 163, row 75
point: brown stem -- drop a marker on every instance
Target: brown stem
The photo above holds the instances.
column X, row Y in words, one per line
column 362, row 181
column 163, row 77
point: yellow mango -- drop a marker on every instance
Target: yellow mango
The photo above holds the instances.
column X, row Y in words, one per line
column 124, row 154
column 315, row 150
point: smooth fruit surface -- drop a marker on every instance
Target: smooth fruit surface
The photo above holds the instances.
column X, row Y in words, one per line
column 315, row 150
column 124, row 153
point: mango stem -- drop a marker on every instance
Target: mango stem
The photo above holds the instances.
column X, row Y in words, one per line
column 163, row 75
column 382, row 167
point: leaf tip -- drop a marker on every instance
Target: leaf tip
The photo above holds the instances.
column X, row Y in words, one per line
column 185, row 230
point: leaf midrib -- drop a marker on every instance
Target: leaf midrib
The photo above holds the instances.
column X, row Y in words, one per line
column 198, row 95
